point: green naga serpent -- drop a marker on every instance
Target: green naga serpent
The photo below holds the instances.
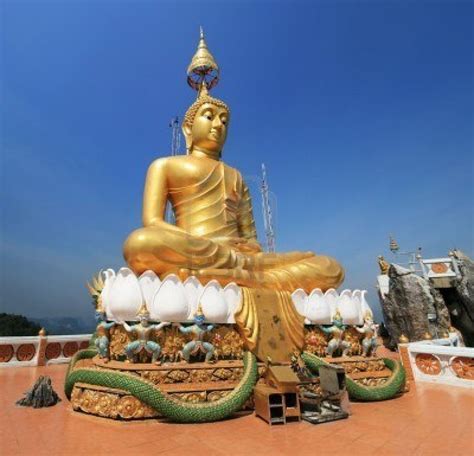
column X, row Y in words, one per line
column 149, row 394
column 184, row 412
column 389, row 389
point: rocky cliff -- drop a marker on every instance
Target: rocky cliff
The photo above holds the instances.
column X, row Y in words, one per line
column 412, row 307
column 459, row 298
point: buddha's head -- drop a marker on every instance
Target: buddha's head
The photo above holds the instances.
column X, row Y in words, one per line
column 205, row 126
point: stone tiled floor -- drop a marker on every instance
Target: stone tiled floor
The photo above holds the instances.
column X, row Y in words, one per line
column 429, row 420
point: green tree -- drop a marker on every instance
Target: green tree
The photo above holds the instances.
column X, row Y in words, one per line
column 17, row 325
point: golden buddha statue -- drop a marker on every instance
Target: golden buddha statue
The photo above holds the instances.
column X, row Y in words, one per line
column 214, row 235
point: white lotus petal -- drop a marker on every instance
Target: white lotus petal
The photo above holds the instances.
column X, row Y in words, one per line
column 331, row 297
column 348, row 309
column 364, row 305
column 318, row 310
column 300, row 298
column 213, row 303
column 149, row 283
column 108, row 274
column 356, row 298
column 169, row 302
column 108, row 278
column 233, row 297
column 192, row 288
column 124, row 297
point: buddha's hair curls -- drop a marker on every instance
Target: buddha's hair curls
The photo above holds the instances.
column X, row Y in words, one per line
column 193, row 109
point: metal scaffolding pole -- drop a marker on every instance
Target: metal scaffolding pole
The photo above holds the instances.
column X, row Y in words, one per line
column 267, row 213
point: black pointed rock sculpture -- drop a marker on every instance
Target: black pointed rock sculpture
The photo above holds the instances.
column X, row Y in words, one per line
column 41, row 395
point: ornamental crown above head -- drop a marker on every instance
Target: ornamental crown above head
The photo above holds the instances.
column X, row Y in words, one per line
column 203, row 75
column 203, row 71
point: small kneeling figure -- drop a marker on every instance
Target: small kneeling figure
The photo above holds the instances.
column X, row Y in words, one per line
column 143, row 331
column 336, row 342
column 198, row 344
column 102, row 341
column 369, row 343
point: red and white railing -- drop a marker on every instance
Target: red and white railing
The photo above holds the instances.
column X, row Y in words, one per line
column 435, row 362
column 40, row 350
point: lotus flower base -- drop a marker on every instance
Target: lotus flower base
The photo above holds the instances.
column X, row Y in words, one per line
column 248, row 326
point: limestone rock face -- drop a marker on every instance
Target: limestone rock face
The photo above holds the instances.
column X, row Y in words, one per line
column 459, row 298
column 406, row 308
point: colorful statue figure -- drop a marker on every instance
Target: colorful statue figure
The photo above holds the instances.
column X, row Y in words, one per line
column 214, row 234
column 197, row 345
column 102, row 332
column 143, row 331
column 336, row 331
column 369, row 343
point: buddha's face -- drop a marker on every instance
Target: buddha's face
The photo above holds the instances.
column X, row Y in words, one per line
column 209, row 130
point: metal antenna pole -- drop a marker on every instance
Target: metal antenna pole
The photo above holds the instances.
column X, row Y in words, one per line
column 267, row 213
column 175, row 136
column 175, row 146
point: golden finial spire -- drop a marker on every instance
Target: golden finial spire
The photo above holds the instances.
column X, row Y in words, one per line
column 403, row 339
column 203, row 69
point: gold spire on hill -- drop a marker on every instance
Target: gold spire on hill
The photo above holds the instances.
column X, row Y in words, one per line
column 203, row 69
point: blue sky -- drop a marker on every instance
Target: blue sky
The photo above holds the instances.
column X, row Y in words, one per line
column 361, row 111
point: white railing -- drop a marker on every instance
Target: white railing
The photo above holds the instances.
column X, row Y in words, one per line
column 432, row 361
column 40, row 350
column 434, row 268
